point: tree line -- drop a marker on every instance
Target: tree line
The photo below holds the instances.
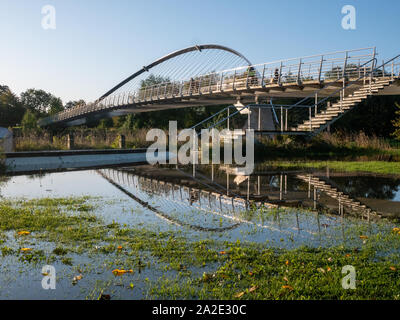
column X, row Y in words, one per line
column 378, row 115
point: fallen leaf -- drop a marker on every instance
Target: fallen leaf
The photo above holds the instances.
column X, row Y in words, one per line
column 288, row 287
column 321, row 270
column 363, row 237
column 23, row 233
column 330, row 259
column 329, row 269
column 287, row 262
column 119, row 247
column 348, row 255
column 251, row 273
column 26, row 249
column 222, row 252
column 240, row 294
column 286, row 279
column 392, row 268
column 252, row 289
column 119, row 272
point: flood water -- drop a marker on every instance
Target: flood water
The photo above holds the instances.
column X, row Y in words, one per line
column 279, row 209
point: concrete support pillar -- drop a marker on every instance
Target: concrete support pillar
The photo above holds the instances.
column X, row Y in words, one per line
column 70, row 141
column 121, row 140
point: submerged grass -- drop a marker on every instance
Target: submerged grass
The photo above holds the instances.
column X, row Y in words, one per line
column 379, row 167
column 204, row 269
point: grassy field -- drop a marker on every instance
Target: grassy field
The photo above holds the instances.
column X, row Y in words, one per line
column 379, row 167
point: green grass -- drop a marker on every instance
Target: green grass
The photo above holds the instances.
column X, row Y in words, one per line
column 379, row 167
column 204, row 269
column 254, row 273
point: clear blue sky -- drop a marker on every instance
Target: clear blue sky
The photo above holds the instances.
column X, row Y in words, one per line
column 97, row 43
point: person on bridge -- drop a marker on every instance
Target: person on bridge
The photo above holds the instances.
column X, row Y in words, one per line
column 276, row 75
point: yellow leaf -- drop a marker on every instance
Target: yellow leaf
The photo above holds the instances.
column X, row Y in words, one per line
column 119, row 272
column 288, row 287
column 222, row 252
column 287, row 262
column 23, row 233
column 363, row 237
column 254, row 288
column 26, row 249
column 240, row 294
column 392, row 268
column 396, row 229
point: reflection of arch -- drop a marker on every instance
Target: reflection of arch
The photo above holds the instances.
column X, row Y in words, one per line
column 162, row 214
column 173, row 55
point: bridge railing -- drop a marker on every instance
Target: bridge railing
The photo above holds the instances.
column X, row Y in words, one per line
column 298, row 71
column 308, row 107
column 320, row 68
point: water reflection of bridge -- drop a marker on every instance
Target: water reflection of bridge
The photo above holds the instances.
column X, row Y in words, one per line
column 167, row 192
column 174, row 197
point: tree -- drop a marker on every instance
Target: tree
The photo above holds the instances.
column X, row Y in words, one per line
column 153, row 80
column 129, row 122
column 373, row 116
column 29, row 121
column 75, row 103
column 11, row 109
column 396, row 123
column 105, row 123
column 56, row 105
column 41, row 101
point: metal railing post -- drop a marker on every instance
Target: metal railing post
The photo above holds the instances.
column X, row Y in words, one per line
column 263, row 77
column 234, row 81
column 344, row 72
column 227, row 119
column 320, row 69
column 286, row 120
column 299, row 73
column 316, row 104
column 392, row 70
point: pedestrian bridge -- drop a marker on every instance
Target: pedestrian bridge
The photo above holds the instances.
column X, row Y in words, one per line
column 326, row 86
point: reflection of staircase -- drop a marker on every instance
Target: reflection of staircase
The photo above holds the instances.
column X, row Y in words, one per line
column 335, row 111
column 334, row 193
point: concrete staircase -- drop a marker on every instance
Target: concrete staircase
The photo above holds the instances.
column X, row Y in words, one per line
column 333, row 112
column 345, row 200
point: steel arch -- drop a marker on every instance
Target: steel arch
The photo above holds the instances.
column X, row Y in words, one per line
column 170, row 56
